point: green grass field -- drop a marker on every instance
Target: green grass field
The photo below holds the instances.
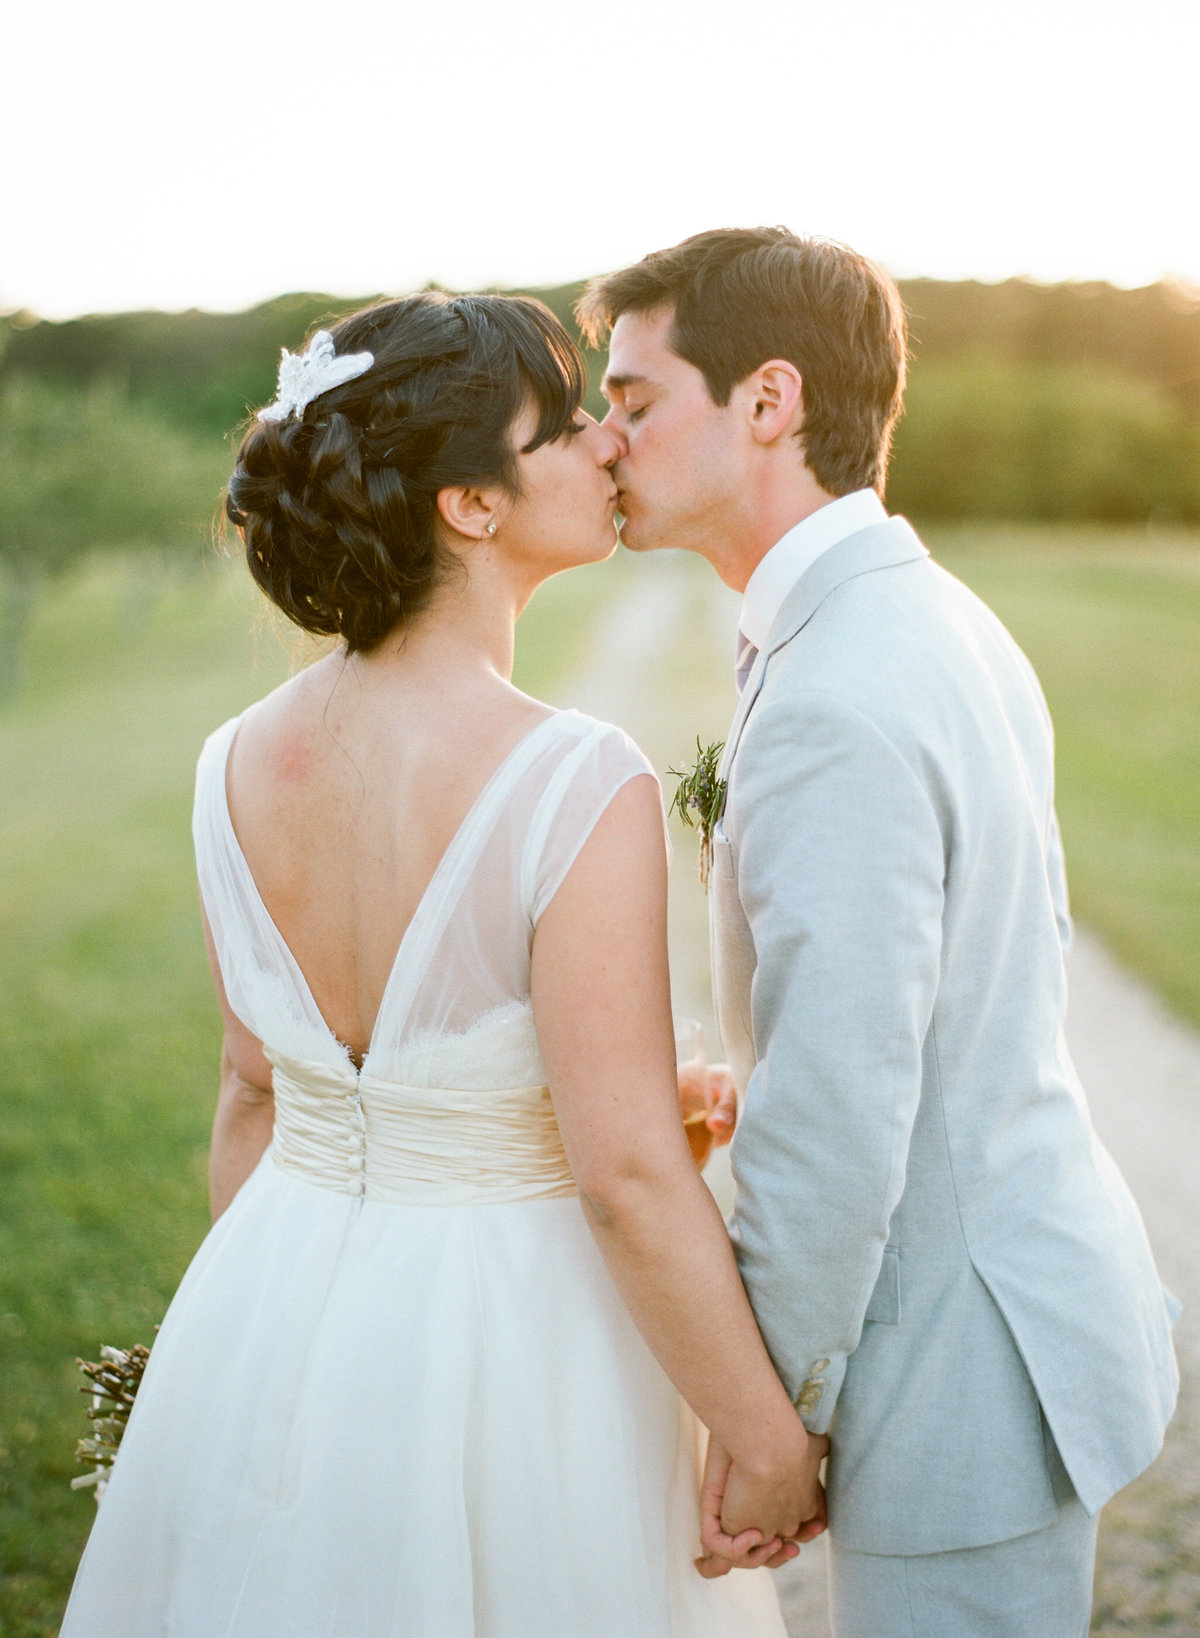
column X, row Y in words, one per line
column 1112, row 624
column 108, row 1032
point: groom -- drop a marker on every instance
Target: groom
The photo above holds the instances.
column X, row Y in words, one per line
column 950, row 1273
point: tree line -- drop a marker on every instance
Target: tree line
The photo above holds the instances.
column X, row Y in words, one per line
column 1015, row 388
column 1025, row 401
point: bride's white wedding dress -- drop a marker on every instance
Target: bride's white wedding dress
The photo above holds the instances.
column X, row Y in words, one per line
column 396, row 1394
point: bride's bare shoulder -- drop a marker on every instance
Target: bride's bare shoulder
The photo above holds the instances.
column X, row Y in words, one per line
column 277, row 728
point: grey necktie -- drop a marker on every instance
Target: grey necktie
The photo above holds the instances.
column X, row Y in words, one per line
column 746, row 656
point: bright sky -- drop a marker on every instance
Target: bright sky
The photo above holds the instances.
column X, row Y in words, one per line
column 172, row 155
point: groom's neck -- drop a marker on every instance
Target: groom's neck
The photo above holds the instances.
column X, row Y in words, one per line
column 775, row 504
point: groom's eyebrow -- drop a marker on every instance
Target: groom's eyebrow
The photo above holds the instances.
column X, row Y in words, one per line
column 618, row 383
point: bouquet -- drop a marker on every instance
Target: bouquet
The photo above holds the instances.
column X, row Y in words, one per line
column 113, row 1384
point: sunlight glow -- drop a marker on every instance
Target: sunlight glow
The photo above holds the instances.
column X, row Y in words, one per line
column 218, row 155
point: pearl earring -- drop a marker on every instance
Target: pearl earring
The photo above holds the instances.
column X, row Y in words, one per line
column 491, row 528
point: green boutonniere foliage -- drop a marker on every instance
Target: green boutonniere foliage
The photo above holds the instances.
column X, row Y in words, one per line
column 700, row 799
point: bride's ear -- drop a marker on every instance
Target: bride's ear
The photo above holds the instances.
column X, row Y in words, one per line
column 471, row 514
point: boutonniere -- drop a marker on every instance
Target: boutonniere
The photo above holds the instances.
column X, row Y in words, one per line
column 113, row 1384
column 700, row 799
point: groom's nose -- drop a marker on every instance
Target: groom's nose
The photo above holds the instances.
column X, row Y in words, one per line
column 616, row 447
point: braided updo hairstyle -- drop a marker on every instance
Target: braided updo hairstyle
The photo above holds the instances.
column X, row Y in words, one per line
column 338, row 507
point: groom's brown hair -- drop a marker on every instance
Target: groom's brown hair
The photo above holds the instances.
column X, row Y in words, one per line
column 742, row 296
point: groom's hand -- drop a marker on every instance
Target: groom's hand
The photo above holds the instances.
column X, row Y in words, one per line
column 722, row 1116
column 707, row 1091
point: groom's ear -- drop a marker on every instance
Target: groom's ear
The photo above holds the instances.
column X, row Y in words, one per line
column 774, row 401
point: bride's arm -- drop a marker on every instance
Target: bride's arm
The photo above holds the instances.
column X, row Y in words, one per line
column 245, row 1114
column 602, row 1005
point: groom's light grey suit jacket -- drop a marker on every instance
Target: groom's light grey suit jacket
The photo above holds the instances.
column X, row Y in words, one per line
column 937, row 1248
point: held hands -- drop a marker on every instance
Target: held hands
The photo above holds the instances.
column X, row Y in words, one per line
column 708, row 1104
column 753, row 1512
column 748, row 1519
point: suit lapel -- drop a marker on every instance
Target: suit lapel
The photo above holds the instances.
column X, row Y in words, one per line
column 882, row 546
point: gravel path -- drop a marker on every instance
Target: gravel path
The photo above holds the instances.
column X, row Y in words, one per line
column 1141, row 1068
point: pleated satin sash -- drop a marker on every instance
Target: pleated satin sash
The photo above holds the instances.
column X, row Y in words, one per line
column 415, row 1145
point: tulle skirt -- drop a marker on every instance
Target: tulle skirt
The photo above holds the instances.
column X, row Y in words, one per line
column 371, row 1420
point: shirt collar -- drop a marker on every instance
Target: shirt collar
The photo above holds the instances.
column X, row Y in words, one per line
column 798, row 550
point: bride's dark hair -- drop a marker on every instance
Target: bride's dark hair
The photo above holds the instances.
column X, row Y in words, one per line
column 338, row 507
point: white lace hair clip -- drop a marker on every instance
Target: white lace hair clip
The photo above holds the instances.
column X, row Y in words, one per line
column 305, row 376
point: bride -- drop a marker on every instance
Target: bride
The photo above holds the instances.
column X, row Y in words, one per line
column 440, row 1366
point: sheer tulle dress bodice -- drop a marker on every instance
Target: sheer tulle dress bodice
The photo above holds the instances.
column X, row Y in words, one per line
column 396, row 1394
column 454, row 1044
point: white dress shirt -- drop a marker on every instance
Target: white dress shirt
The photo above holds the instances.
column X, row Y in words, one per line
column 787, row 560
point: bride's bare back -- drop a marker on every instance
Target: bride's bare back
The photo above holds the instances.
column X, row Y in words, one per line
column 345, row 791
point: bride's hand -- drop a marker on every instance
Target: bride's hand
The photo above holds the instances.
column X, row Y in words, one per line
column 785, row 1492
column 722, row 1552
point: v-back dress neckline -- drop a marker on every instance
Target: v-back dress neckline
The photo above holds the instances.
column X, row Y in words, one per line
column 445, row 865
